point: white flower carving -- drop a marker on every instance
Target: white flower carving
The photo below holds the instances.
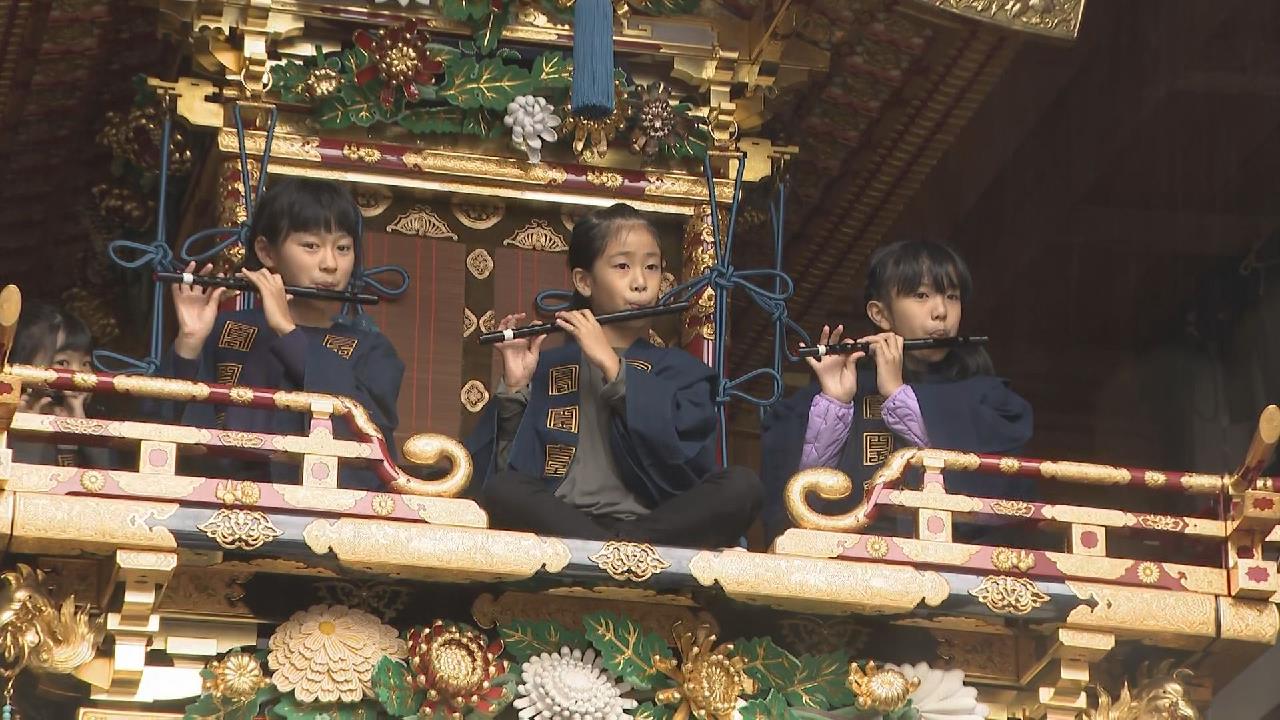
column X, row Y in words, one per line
column 570, row 685
column 532, row 121
column 942, row 694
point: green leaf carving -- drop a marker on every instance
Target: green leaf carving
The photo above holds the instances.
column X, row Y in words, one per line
column 486, row 83
column 423, row 121
column 290, row 709
column 769, row 665
column 822, row 682
column 289, row 80
column 626, row 648
column 363, row 105
column 394, row 688
column 465, row 10
column 552, row 70
column 773, row 707
column 490, row 29
column 650, row 711
column 523, row 638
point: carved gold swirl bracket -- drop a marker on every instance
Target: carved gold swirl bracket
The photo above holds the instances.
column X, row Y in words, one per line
column 320, row 444
column 834, row 485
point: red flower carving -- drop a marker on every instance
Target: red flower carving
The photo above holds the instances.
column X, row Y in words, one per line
column 400, row 57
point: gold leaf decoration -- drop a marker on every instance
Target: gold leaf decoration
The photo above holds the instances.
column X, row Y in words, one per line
column 605, row 179
column 537, row 235
column 1009, row 595
column 881, row 689
column 629, row 561
column 480, row 263
column 1010, row 559
column 478, row 213
column 709, row 678
column 474, row 395
column 488, row 322
column 237, row 529
column 372, row 200
column 366, row 154
column 1013, row 507
column 469, row 322
column 423, row 222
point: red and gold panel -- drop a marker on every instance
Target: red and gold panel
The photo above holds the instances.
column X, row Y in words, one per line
column 425, row 325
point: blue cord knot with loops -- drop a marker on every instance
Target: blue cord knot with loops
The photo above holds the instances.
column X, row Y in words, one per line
column 721, row 278
column 159, row 256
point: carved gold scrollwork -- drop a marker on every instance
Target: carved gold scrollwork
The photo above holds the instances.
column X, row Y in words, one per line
column 1009, row 595
column 239, row 529
column 636, row 562
column 427, row 449
column 538, row 235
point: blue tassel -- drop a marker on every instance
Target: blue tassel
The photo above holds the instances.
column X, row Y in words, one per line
column 593, row 58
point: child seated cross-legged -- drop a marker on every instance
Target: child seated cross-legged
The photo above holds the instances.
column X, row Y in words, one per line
column 306, row 233
column 609, row 437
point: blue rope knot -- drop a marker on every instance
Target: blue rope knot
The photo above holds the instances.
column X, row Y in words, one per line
column 157, row 254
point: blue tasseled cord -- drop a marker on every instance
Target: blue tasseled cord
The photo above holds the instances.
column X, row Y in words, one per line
column 592, row 93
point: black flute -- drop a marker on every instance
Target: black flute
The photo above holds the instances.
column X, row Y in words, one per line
column 845, row 348
column 498, row 336
column 238, row 283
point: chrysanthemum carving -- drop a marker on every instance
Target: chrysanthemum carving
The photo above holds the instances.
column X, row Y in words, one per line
column 327, row 653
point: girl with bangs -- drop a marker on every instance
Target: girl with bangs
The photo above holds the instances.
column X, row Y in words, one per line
column 306, row 233
column 853, row 418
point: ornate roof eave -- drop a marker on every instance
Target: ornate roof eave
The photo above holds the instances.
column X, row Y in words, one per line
column 712, row 55
column 472, row 171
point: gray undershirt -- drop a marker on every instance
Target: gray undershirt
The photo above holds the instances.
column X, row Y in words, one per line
column 593, row 483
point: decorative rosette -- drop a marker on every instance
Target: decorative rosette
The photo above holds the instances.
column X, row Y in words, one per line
column 457, row 668
column 236, row 677
column 884, row 689
column 327, row 653
column 532, row 121
column 570, row 685
column 710, row 680
column 400, row 57
column 658, row 127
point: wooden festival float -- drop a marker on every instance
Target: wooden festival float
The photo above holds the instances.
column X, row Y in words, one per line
column 144, row 592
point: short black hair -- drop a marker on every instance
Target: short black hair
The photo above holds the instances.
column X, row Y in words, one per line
column 901, row 268
column 36, row 339
column 591, row 236
column 295, row 204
